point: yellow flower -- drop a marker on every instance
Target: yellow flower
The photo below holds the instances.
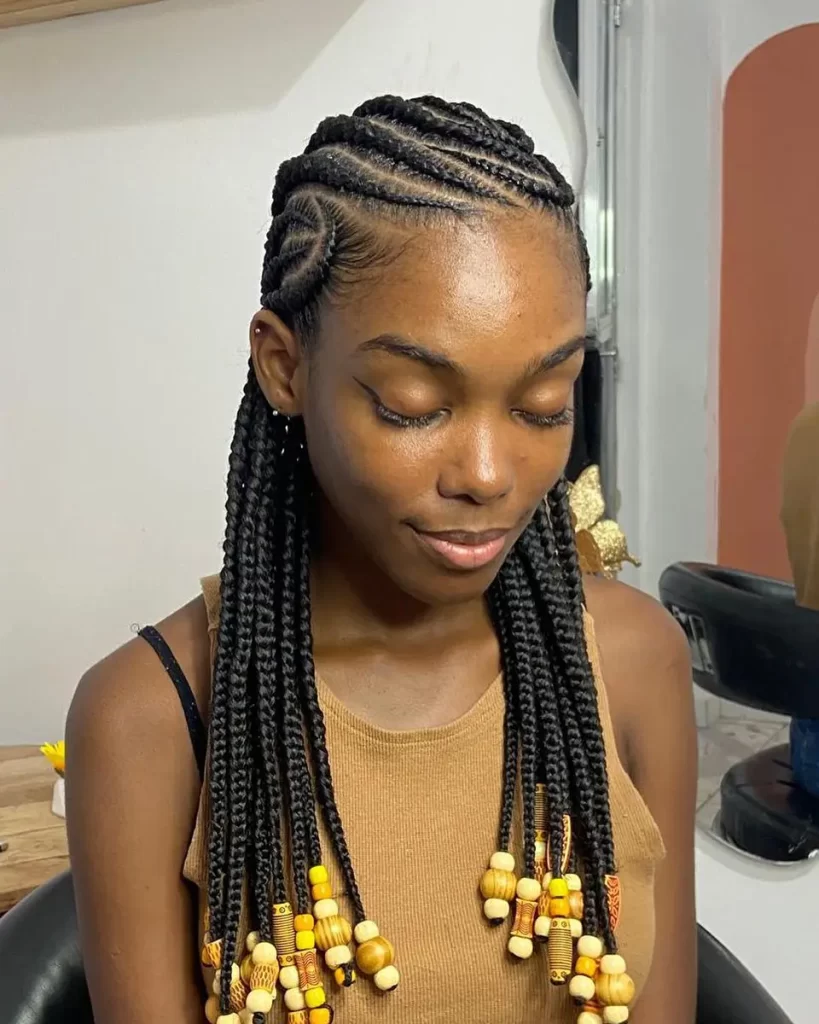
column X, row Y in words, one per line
column 55, row 752
column 601, row 544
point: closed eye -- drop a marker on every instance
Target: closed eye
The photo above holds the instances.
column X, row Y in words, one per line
column 563, row 418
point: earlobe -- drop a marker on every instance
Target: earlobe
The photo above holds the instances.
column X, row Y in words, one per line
column 277, row 360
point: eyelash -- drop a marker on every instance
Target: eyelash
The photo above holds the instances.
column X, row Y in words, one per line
column 564, row 418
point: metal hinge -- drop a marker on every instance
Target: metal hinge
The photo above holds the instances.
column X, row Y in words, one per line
column 617, row 13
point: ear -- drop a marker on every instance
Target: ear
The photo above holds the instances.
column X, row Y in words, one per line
column 278, row 361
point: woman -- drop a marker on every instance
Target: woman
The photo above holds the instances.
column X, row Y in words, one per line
column 401, row 684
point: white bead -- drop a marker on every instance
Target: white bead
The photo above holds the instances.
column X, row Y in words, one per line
column 612, row 964
column 365, row 931
column 573, row 882
column 264, row 953
column 496, row 910
column 387, row 978
column 542, row 926
column 540, row 850
column 502, row 861
column 294, row 999
column 289, row 977
column 547, row 877
column 581, row 988
column 216, row 984
column 521, row 947
column 251, row 941
column 589, row 1018
column 325, row 908
column 575, row 928
column 228, row 1018
column 259, row 1000
column 615, row 1014
column 590, row 946
column 337, row 956
column 528, row 889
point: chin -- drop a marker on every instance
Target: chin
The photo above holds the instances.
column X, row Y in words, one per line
column 441, row 588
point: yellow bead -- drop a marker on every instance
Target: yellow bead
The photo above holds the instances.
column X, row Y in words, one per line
column 585, row 965
column 321, row 1015
column 304, row 923
column 559, row 906
column 212, row 1009
column 373, row 955
column 305, row 940
column 387, row 978
column 558, row 887
column 614, row 989
column 497, row 885
column 318, row 875
column 344, row 977
column 264, row 953
column 322, row 891
column 332, row 931
column 264, row 976
column 315, row 997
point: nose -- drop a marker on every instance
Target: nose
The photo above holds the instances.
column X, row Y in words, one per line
column 478, row 466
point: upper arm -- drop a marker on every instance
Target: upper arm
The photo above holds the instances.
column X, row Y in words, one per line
column 647, row 665
column 132, row 791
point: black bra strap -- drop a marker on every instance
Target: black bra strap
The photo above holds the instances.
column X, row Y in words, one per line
column 196, row 727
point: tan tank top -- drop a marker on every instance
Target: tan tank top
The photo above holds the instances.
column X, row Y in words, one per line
column 420, row 811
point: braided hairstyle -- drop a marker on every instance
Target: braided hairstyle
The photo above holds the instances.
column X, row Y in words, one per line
column 406, row 162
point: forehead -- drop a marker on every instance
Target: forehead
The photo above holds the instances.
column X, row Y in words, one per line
column 506, row 286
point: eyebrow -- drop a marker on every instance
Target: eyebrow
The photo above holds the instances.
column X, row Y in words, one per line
column 398, row 346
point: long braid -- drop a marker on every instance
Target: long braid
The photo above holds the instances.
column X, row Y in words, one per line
column 410, row 163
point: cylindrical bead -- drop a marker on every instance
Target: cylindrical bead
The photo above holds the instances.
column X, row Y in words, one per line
column 238, row 994
column 525, row 913
column 308, row 967
column 315, row 997
column 321, row 1015
column 317, row 875
column 585, row 965
column 264, row 976
column 543, row 904
column 541, row 820
column 374, row 955
column 322, row 891
column 284, row 935
column 559, row 906
column 499, row 885
column 614, row 989
column 576, row 905
column 305, row 940
column 560, row 951
column 213, row 952
column 333, row 931
column 298, row 1017
column 303, row 923
column 558, row 887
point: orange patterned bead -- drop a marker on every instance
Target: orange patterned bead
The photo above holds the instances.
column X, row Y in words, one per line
column 238, row 995
column 308, row 967
column 213, row 953
column 524, row 924
column 298, row 1017
column 264, row 976
column 585, row 965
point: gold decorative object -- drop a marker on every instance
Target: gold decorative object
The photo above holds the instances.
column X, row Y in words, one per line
column 601, row 544
column 55, row 754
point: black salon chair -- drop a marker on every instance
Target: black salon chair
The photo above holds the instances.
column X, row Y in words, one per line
column 753, row 645
column 42, row 980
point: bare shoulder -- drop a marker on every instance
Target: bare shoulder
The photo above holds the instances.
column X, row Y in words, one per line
column 129, row 690
column 644, row 657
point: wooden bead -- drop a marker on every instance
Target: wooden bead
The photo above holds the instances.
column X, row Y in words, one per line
column 558, row 887
column 325, row 908
column 238, row 994
column 591, row 946
column 264, row 976
column 375, row 954
column 524, row 923
column 520, row 947
column 585, row 965
column 589, row 1018
column 212, row 1009
column 246, row 968
column 561, row 951
column 612, row 964
column 294, row 999
column 559, row 906
column 321, row 1015
column 576, row 904
column 264, row 953
column 581, row 988
column 387, row 978
column 614, row 989
column 259, row 1000
column 250, row 941
column 498, row 885
column 289, row 977
column 305, row 940
column 322, row 891
column 496, row 910
column 337, row 956
column 502, row 861
column 308, row 967
column 365, row 931
column 542, row 926
column 333, row 931
column 318, row 875
column 299, row 1017
column 283, row 932
column 528, row 889
column 303, row 923
column 315, row 997
column 615, row 1014
column 574, row 883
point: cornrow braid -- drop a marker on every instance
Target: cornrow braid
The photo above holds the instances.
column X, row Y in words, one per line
column 405, row 163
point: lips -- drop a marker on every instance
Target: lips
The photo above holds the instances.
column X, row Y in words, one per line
column 463, row 549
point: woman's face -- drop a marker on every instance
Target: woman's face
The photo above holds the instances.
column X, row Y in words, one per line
column 437, row 399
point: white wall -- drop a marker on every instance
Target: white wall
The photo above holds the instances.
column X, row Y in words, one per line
column 137, row 152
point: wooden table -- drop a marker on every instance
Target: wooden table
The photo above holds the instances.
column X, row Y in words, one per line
column 37, row 845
